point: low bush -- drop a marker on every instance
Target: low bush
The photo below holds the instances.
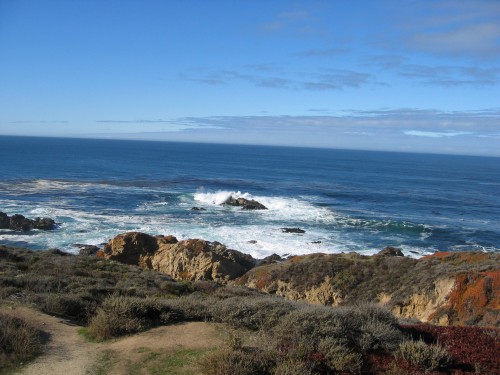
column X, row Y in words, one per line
column 19, row 341
column 422, row 355
column 120, row 315
column 237, row 362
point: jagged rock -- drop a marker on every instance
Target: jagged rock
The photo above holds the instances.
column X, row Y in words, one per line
column 245, row 204
column 292, row 230
column 198, row 209
column 192, row 259
column 18, row 222
column 390, row 251
column 87, row 250
column 4, row 220
column 43, row 223
column 273, row 258
column 131, row 248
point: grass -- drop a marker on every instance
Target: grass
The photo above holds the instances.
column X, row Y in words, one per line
column 103, row 364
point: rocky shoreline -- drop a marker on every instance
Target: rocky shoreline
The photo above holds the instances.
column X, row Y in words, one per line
column 444, row 288
column 335, row 308
column 460, row 288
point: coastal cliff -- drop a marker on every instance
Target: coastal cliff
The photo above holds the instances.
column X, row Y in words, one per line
column 444, row 288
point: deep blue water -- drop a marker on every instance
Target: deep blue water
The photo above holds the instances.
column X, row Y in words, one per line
column 345, row 200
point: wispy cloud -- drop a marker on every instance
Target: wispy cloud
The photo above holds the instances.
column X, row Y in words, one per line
column 326, row 52
column 404, row 129
column 438, row 75
column 430, row 134
column 456, row 28
column 324, row 79
column 39, row 122
column 298, row 21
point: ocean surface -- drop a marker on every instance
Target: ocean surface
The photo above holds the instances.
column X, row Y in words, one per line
column 345, row 200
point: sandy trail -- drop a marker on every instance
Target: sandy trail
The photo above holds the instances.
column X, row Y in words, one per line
column 65, row 352
column 68, row 353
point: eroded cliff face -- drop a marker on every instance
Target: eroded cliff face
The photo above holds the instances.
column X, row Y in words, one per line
column 192, row 259
column 423, row 306
column 446, row 288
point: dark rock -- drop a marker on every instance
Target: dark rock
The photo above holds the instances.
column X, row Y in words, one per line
column 252, row 241
column 292, row 230
column 4, row 220
column 198, row 209
column 390, row 251
column 58, row 252
column 316, row 242
column 245, row 204
column 167, row 239
column 273, row 258
column 87, row 250
column 19, row 223
column 43, row 223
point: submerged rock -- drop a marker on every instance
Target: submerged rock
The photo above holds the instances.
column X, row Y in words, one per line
column 192, row 259
column 292, row 230
column 244, row 203
column 198, row 209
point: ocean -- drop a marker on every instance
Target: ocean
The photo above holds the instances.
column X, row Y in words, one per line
column 344, row 200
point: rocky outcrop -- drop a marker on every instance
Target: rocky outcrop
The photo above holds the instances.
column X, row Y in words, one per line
column 192, row 259
column 292, row 230
column 390, row 251
column 20, row 223
column 447, row 288
column 244, row 203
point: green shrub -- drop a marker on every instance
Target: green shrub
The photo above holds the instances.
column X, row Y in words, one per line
column 71, row 306
column 120, row 315
column 293, row 367
column 19, row 341
column 237, row 362
column 194, row 307
column 426, row 357
column 339, row 357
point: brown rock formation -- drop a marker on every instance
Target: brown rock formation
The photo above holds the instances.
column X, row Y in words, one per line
column 449, row 288
column 192, row 259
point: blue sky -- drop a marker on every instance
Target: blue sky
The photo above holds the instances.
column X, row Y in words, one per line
column 419, row 76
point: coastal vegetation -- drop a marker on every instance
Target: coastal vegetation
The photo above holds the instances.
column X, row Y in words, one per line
column 268, row 334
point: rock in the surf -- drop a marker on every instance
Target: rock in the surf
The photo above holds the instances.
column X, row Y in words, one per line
column 192, row 259
column 4, row 220
column 20, row 223
column 245, row 204
column 292, row 230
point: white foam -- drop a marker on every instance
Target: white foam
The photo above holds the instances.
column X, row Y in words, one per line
column 219, row 197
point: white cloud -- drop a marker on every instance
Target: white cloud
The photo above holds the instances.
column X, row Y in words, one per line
column 431, row 134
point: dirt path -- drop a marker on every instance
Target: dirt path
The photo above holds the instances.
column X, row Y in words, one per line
column 68, row 353
column 65, row 352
